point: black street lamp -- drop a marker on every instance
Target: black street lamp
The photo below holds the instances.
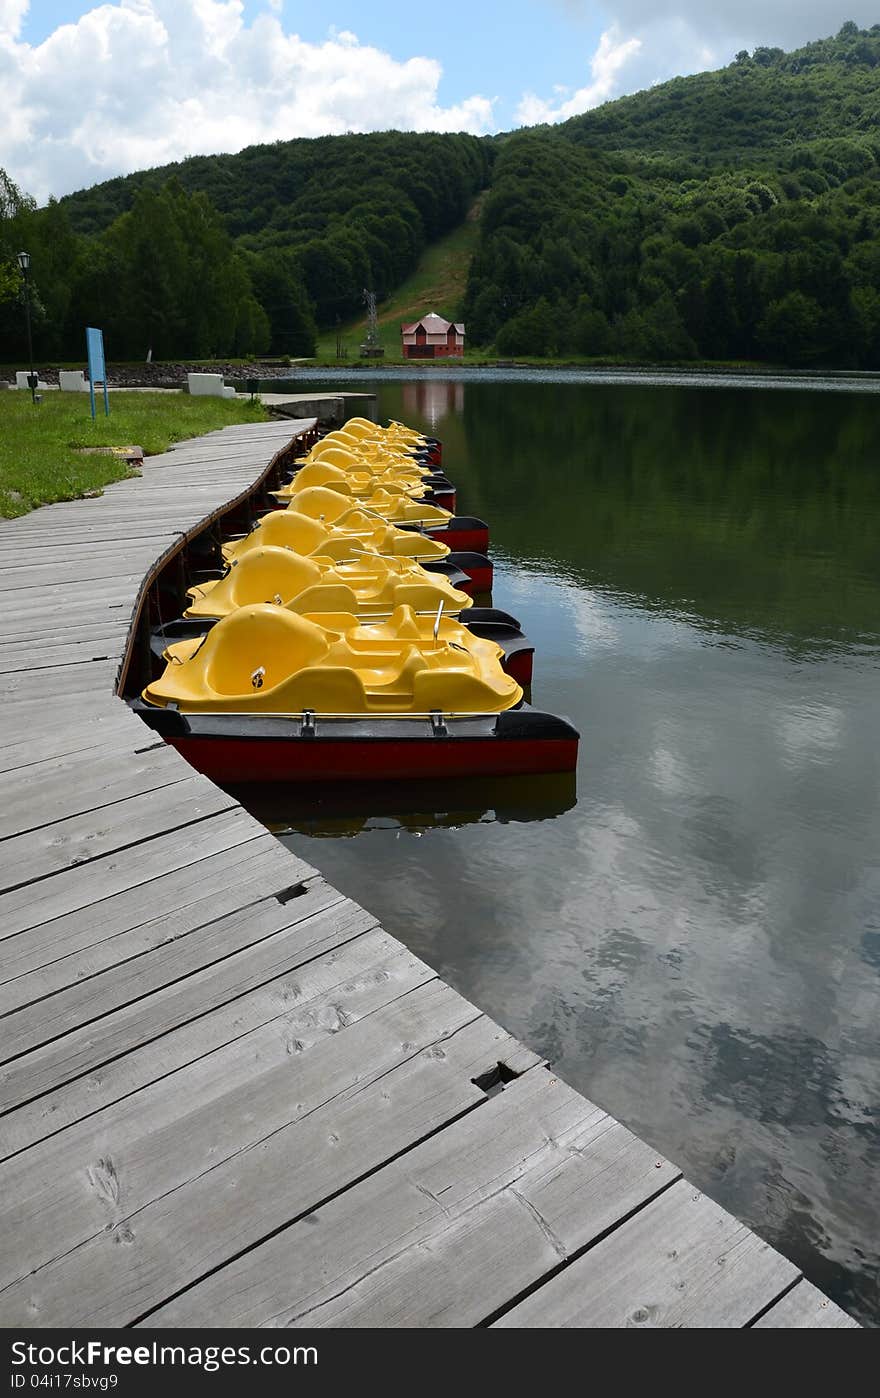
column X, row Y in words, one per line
column 24, row 262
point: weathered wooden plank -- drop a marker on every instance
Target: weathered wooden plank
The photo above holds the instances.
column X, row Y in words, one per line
column 91, row 592
column 680, row 1262
column 84, row 525
column 58, row 711
column 66, row 1061
column 442, row 1235
column 58, row 1021
column 344, row 1029
column 95, row 613
column 57, row 789
column 33, row 653
column 31, row 547
column 112, row 729
column 178, row 1040
column 55, row 630
column 485, row 1250
column 101, row 611
column 45, row 959
column 21, row 691
column 36, row 905
column 81, row 839
column 805, row 1308
column 174, row 1045
column 96, row 564
column 408, row 1090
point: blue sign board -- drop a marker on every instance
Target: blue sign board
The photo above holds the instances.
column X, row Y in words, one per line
column 97, row 369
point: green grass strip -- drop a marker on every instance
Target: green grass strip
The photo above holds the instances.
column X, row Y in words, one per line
column 39, row 457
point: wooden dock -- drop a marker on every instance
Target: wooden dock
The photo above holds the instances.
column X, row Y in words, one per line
column 229, row 1098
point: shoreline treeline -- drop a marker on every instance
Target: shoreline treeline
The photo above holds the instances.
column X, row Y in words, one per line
column 234, row 254
column 730, row 215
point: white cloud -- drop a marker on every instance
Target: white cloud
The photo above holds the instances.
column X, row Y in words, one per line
column 142, row 82
column 12, row 13
column 610, row 57
column 685, row 36
column 787, row 23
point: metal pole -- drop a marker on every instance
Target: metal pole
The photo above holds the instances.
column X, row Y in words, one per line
column 27, row 312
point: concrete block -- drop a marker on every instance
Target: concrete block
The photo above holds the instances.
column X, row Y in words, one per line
column 72, row 381
column 207, row 385
column 21, row 380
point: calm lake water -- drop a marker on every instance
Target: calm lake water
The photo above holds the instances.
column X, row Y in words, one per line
column 694, row 942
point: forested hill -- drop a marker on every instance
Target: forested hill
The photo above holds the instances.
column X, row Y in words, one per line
column 357, row 209
column 235, row 253
column 733, row 214
column 758, row 104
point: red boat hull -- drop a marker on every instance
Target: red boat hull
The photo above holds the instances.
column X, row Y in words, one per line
column 519, row 666
column 461, row 540
column 237, row 748
column 231, row 760
column 481, row 579
column 478, row 568
column 446, row 499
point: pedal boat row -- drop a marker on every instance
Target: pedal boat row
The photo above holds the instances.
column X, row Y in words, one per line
column 342, row 642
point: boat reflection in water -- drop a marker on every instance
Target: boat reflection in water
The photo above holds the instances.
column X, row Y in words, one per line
column 340, row 811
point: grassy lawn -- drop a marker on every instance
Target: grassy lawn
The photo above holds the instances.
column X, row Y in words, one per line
column 437, row 284
column 39, row 462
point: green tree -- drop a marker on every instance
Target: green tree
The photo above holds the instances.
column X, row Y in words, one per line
column 278, row 285
column 794, row 330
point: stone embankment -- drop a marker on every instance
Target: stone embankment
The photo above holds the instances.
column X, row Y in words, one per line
column 169, row 375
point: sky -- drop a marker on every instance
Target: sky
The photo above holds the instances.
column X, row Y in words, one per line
column 95, row 90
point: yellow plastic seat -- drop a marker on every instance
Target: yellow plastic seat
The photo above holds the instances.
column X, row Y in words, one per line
column 291, row 530
column 370, row 586
column 399, row 509
column 339, row 437
column 265, row 659
column 325, row 505
column 405, row 624
column 260, row 575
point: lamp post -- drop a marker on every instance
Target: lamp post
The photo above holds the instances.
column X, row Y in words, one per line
column 24, row 262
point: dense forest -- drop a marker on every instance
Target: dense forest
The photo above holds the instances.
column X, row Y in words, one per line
column 729, row 215
column 234, row 254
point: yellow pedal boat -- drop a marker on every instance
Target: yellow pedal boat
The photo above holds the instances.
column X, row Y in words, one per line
column 263, row 659
column 325, row 502
column 371, row 586
column 337, row 539
column 361, row 427
column 361, row 484
column 355, row 456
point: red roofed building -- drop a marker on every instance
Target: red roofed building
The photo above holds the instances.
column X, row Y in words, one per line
column 432, row 337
